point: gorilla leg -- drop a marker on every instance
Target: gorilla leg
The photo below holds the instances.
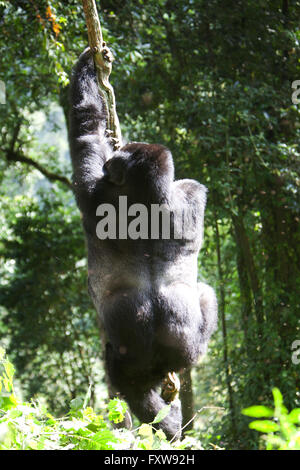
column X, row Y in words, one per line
column 138, row 388
column 146, row 405
column 112, row 392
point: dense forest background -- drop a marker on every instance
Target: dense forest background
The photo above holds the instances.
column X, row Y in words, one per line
column 213, row 82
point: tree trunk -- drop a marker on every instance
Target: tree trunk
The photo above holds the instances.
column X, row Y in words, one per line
column 224, row 331
column 187, row 399
column 242, row 241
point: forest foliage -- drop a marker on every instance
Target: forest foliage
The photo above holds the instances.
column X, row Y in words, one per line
column 213, row 82
column 30, row 426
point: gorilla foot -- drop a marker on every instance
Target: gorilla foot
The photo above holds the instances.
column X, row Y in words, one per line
column 170, row 387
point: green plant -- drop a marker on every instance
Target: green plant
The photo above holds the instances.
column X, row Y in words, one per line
column 29, row 426
column 282, row 432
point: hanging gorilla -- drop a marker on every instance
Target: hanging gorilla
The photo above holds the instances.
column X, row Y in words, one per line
column 156, row 318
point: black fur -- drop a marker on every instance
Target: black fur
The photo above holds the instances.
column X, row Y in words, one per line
column 155, row 315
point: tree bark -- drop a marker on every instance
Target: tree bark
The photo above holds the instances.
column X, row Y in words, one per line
column 242, row 241
column 224, row 330
column 103, row 63
column 245, row 296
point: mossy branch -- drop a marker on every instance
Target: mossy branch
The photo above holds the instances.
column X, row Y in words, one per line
column 103, row 61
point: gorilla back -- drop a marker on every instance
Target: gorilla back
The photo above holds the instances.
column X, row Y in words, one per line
column 156, row 317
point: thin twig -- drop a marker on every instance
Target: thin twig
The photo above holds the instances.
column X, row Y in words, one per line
column 192, row 419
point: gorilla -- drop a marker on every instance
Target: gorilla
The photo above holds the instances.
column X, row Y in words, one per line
column 156, row 318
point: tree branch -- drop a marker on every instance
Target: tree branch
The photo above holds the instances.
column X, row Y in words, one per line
column 103, row 61
column 13, row 156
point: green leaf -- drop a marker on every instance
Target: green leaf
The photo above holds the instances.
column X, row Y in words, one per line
column 280, row 409
column 294, row 416
column 6, row 403
column 15, row 413
column 117, row 409
column 7, row 383
column 76, row 404
column 258, row 412
column 162, row 414
column 2, row 353
column 104, row 439
column 87, row 396
column 161, row 435
column 9, row 369
column 264, row 426
column 146, row 430
column 278, row 399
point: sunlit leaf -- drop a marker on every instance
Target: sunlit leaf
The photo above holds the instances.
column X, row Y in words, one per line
column 258, row 412
column 294, row 416
column 264, row 426
column 117, row 409
column 162, row 414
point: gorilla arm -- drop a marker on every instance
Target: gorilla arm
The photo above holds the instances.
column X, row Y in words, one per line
column 89, row 146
